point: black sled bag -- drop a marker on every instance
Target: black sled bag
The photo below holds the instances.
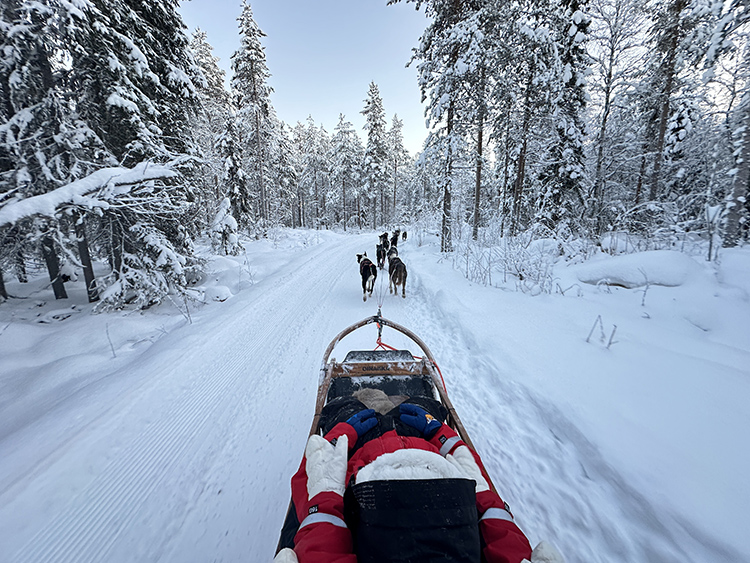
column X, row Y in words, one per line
column 415, row 521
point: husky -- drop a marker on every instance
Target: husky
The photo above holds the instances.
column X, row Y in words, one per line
column 380, row 253
column 384, row 241
column 369, row 274
column 395, row 237
column 396, row 273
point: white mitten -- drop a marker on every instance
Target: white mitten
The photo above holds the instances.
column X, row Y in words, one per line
column 326, row 465
column 464, row 460
column 286, row 555
column 545, row 553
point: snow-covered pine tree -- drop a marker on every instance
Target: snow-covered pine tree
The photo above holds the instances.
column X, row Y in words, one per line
column 525, row 74
column 233, row 181
column 255, row 113
column 133, row 78
column 375, row 167
column 45, row 143
column 284, row 166
column 672, row 53
column 210, row 120
column 442, row 77
column 346, row 162
column 398, row 157
column 224, row 238
column 563, row 181
column 314, row 176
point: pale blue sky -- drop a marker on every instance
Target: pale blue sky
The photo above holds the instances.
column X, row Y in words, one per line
column 323, row 54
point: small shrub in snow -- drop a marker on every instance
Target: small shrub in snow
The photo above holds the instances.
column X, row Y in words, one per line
column 224, row 237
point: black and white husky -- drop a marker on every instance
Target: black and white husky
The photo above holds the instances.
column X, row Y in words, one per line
column 380, row 253
column 369, row 274
column 395, row 237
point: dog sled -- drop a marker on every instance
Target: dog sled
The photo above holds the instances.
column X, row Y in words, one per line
column 414, row 525
column 398, row 373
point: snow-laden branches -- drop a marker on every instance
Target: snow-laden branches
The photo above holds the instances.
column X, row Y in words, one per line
column 95, row 190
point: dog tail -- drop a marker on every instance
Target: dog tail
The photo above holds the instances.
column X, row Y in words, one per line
column 370, row 283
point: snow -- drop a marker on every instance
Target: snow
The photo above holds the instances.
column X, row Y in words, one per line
column 172, row 434
column 657, row 267
column 48, row 203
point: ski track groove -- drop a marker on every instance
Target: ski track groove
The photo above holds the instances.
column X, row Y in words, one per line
column 522, row 465
column 87, row 529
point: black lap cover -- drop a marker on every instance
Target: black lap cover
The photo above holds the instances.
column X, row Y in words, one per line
column 425, row 521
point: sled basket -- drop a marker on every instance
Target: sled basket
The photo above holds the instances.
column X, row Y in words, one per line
column 395, row 372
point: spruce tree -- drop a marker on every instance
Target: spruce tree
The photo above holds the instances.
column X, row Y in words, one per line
column 375, row 167
column 45, row 143
column 398, row 158
column 210, row 121
column 346, row 162
column 255, row 113
column 730, row 39
column 564, row 179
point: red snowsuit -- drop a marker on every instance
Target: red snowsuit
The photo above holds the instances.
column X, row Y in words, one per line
column 323, row 536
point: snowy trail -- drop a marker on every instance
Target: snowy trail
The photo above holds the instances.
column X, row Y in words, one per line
column 185, row 453
column 158, row 443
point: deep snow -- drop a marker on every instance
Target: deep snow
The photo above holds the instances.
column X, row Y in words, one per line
column 171, row 435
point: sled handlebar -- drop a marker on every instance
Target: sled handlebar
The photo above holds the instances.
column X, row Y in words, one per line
column 382, row 321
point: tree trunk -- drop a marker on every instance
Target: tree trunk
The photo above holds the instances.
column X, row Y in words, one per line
column 343, row 202
column 641, row 175
column 3, row 293
column 395, row 185
column 740, row 185
column 478, row 181
column 20, row 265
column 85, row 256
column 674, row 38
column 446, row 244
column 503, row 208
column 53, row 267
column 116, row 242
column 599, row 176
column 521, row 172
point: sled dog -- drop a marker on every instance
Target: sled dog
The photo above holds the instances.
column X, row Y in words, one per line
column 396, row 274
column 380, row 253
column 369, row 274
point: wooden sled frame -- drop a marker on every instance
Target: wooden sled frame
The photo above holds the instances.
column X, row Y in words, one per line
column 426, row 366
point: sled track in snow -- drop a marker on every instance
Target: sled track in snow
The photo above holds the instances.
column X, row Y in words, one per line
column 528, row 466
column 92, row 522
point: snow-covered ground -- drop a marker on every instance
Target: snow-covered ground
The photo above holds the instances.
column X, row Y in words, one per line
column 171, row 435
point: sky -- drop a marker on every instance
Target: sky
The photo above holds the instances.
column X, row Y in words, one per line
column 323, row 54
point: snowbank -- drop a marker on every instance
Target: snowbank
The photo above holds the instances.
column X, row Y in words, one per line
column 656, row 267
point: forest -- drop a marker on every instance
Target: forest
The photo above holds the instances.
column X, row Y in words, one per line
column 582, row 122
